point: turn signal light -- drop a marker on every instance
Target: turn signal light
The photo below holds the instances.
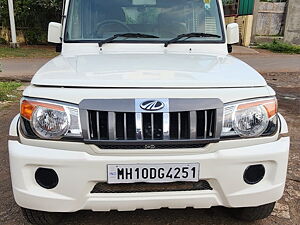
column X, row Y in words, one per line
column 270, row 106
column 27, row 108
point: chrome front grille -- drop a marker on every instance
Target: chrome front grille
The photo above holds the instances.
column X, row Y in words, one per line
column 151, row 126
column 115, row 123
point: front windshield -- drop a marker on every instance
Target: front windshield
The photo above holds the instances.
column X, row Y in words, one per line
column 96, row 20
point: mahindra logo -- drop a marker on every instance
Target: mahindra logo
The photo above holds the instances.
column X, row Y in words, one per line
column 152, row 105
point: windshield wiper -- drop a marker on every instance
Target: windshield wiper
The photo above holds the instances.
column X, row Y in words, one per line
column 190, row 35
column 126, row 35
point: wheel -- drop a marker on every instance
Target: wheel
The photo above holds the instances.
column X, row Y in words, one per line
column 41, row 218
column 253, row 213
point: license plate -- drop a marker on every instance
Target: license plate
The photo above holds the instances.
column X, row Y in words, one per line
column 153, row 173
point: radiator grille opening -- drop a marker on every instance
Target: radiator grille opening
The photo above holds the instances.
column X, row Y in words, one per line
column 158, row 126
column 147, row 187
column 131, row 130
column 148, row 128
column 121, row 126
column 145, row 146
column 184, row 125
column 103, row 118
column 174, row 127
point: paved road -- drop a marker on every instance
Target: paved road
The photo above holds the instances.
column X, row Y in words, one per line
column 286, row 213
column 263, row 61
column 266, row 63
column 21, row 68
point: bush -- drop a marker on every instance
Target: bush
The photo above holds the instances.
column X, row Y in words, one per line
column 2, row 41
column 35, row 37
column 281, row 47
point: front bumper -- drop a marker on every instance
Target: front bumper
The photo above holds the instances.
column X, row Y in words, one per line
column 80, row 171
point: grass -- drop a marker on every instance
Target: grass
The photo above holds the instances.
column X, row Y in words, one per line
column 280, row 47
column 8, row 91
column 27, row 52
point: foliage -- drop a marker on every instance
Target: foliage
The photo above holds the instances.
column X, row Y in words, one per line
column 29, row 52
column 35, row 36
column 273, row 0
column 228, row 2
column 8, row 90
column 281, row 47
column 2, row 41
column 34, row 15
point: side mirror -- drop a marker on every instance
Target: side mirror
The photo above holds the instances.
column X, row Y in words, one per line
column 54, row 33
column 233, row 33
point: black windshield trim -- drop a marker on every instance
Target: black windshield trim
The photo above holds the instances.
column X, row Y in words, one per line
column 147, row 42
column 221, row 41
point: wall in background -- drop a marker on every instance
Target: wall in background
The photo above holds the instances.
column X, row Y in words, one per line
column 292, row 28
column 271, row 18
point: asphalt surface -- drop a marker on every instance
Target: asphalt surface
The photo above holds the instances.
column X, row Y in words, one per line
column 265, row 63
column 21, row 68
column 287, row 210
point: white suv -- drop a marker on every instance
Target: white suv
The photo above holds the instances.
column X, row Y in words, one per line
column 145, row 109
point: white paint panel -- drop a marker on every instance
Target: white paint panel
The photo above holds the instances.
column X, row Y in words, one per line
column 148, row 70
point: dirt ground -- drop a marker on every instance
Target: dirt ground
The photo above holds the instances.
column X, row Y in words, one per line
column 287, row 210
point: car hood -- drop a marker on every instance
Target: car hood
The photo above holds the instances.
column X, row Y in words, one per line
column 148, row 71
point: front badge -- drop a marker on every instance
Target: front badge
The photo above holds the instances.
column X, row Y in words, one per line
column 152, row 105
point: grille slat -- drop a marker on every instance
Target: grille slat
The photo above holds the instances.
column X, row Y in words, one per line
column 179, row 125
column 98, row 124
column 193, row 125
column 205, row 124
column 139, row 126
column 125, row 126
column 130, row 126
column 88, row 124
column 209, row 133
column 112, row 125
column 152, row 126
column 166, row 126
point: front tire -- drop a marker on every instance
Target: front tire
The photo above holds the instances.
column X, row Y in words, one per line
column 41, row 218
column 253, row 213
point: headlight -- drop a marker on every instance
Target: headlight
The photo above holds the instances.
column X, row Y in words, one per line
column 50, row 120
column 251, row 118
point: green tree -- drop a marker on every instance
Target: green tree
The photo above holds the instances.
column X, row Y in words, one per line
column 33, row 16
